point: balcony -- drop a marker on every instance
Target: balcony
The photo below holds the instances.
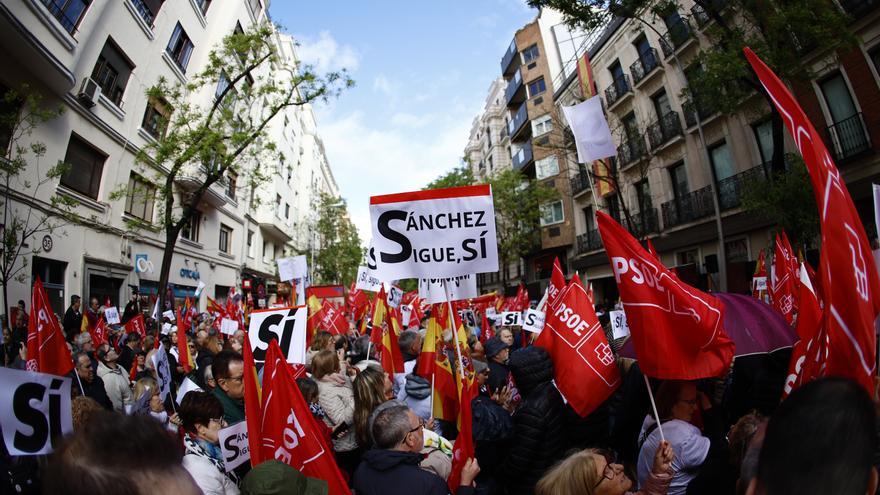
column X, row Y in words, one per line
column 644, row 66
column 858, row 8
column 510, row 56
column 516, row 90
column 630, row 151
column 645, row 222
column 518, row 122
column 664, row 130
column 692, row 108
column 618, row 89
column 590, row 241
column 688, row 208
column 678, row 35
column 848, row 138
column 523, row 157
column 144, row 11
column 580, row 183
column 730, row 190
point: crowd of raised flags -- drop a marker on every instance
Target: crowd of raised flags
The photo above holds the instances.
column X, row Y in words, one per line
column 677, row 331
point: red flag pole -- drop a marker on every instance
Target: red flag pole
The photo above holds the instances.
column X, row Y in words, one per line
column 654, row 407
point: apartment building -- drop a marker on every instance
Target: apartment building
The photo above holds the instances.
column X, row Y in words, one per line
column 671, row 179
column 488, row 148
column 96, row 59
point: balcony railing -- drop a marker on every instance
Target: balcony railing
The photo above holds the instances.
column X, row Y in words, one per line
column 590, row 241
column 580, row 182
column 849, row 137
column 519, row 119
column 678, row 33
column 509, row 56
column 688, row 207
column 664, row 129
column 631, row 150
column 857, row 8
column 692, row 108
column 618, row 88
column 700, row 15
column 523, row 156
column 643, row 66
column 730, row 190
column 645, row 222
column 513, row 86
column 58, row 10
column 144, row 11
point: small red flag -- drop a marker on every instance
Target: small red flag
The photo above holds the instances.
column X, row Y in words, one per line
column 557, row 282
column 99, row 334
column 288, row 431
column 183, row 356
column 136, row 325
column 784, row 288
column 47, row 350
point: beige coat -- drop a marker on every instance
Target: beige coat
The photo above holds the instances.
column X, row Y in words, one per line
column 337, row 400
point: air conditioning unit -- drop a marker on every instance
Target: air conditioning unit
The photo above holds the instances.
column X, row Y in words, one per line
column 88, row 93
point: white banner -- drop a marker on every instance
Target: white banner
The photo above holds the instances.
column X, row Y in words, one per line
column 166, row 328
column 186, row 385
column 200, row 288
column 395, row 295
column 163, row 372
column 509, row 318
column 533, row 321
column 34, row 411
column 461, row 287
column 435, row 233
column 111, row 314
column 619, row 327
column 367, row 280
column 169, row 314
column 287, row 326
column 234, row 445
column 228, row 326
column 405, row 315
column 292, row 268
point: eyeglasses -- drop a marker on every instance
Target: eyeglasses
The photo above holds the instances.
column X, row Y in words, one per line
column 417, row 428
column 608, row 472
column 235, row 378
column 219, row 421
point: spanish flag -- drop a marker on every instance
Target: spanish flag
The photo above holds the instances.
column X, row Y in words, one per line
column 434, row 363
column 384, row 337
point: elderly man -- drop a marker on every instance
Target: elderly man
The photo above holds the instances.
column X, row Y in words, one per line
column 85, row 380
column 228, row 371
column 116, row 380
column 498, row 352
column 392, row 468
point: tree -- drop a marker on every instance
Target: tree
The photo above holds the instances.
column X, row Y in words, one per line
column 787, row 201
column 339, row 251
column 249, row 84
column 20, row 113
column 518, row 203
column 459, row 176
column 719, row 78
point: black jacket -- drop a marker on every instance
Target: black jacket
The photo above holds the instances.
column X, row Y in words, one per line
column 493, row 432
column 497, row 376
column 72, row 323
column 95, row 390
column 390, row 472
column 539, row 439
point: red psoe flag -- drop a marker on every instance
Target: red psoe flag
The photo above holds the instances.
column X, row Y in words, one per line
column 99, row 334
column 583, row 364
column 848, row 274
column 136, row 325
column 557, row 282
column 784, row 288
column 252, row 400
column 332, row 319
column 47, row 350
column 807, row 356
column 184, row 358
column 676, row 329
column 288, row 431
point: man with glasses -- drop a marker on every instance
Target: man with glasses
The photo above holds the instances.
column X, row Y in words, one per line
column 392, row 468
column 84, row 376
column 228, row 369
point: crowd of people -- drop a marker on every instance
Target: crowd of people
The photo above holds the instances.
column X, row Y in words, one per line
column 729, row 435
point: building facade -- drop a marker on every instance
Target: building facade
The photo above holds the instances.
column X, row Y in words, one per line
column 96, row 60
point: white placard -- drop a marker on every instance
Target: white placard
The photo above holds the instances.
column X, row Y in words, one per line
column 200, row 288
column 163, row 372
column 111, row 314
column 166, row 328
column 35, row 411
column 533, row 321
column 169, row 314
column 460, row 288
column 228, row 326
column 509, row 318
column 619, row 327
column 287, row 326
column 292, row 268
column 759, row 283
column 186, row 385
column 395, row 295
column 367, row 280
column 468, row 318
column 234, row 445
column 405, row 314
column 435, row 233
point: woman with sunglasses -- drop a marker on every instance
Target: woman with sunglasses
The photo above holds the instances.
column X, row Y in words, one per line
column 596, row 472
column 202, row 416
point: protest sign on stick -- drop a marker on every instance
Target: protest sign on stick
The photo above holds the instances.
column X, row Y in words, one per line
column 286, row 325
column 111, row 314
column 35, row 412
column 163, row 372
column 234, row 445
column 460, row 288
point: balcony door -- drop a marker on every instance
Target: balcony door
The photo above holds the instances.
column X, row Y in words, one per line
column 661, row 104
column 840, row 104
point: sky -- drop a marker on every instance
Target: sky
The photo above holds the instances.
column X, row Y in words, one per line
column 422, row 73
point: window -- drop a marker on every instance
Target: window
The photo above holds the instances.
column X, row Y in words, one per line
column 286, row 210
column 156, row 117
column 222, row 84
column 225, row 244
column 613, row 206
column 10, row 106
column 642, row 46
column 256, row 6
column 679, row 180
column 278, row 205
column 643, row 195
column 722, row 163
column 874, row 54
column 250, row 243
column 190, row 231
column 630, row 127
column 203, row 5
column 542, row 125
column 180, row 47
column 837, row 98
column 764, row 136
column 661, row 104
column 616, row 74
column 68, row 12
column 490, row 164
column 530, row 54
column 489, row 136
column 589, row 218
column 537, row 87
column 546, row 167
column 140, row 198
column 231, row 183
column 86, row 167
column 112, row 71
column 737, row 250
column 688, row 257
column 147, row 9
column 552, row 213
column 52, row 273
column 289, row 173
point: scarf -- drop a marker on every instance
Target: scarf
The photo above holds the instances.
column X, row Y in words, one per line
column 210, row 451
